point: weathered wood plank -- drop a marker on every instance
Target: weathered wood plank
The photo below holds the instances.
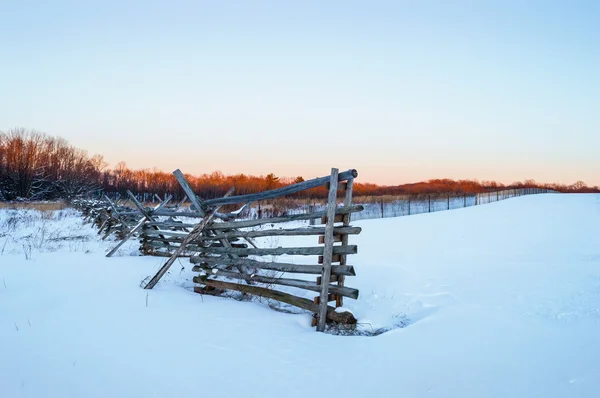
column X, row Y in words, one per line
column 130, row 212
column 337, row 232
column 246, row 223
column 189, row 192
column 174, row 241
column 290, row 189
column 171, row 224
column 338, row 317
column 276, row 220
column 157, row 253
column 328, row 249
column 165, row 212
column 297, row 283
column 279, row 251
column 165, row 232
column 347, row 202
column 347, row 270
column 190, row 246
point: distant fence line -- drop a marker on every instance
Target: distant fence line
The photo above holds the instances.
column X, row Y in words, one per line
column 397, row 206
column 433, row 203
column 411, row 205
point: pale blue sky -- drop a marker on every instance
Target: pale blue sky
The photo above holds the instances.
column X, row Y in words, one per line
column 401, row 91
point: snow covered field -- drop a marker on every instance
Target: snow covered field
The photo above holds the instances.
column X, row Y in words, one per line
column 501, row 300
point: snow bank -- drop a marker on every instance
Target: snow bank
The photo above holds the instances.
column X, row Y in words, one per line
column 28, row 232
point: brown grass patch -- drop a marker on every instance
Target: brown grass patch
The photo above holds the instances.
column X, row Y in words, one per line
column 40, row 206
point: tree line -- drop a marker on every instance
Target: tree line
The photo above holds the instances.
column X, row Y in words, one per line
column 36, row 166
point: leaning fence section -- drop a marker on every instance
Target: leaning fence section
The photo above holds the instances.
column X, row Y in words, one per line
column 231, row 253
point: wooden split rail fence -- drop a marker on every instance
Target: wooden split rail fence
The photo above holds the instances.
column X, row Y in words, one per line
column 230, row 253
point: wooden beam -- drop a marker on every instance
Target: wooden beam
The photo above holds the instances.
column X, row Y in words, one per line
column 297, row 283
column 189, row 192
column 173, row 241
column 155, row 253
column 347, row 202
column 290, row 189
column 247, row 223
column 338, row 232
column 339, row 317
column 275, row 220
column 279, row 251
column 328, row 249
column 190, row 248
column 347, row 270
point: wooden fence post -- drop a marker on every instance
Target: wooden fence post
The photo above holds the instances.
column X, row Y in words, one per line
column 328, row 249
column 339, row 302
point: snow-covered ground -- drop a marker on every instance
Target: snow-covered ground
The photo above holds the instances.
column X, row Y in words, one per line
column 501, row 300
